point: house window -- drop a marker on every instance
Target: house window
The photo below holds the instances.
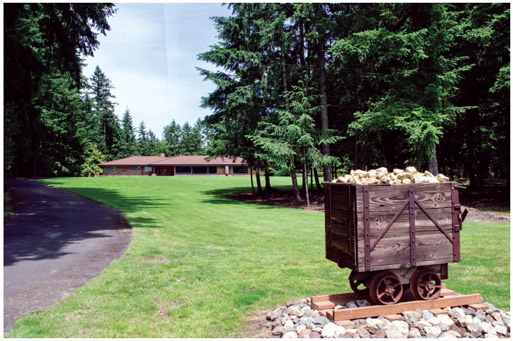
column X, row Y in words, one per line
column 109, row 169
column 240, row 170
column 199, row 170
column 183, row 170
column 137, row 169
column 148, row 169
column 212, row 170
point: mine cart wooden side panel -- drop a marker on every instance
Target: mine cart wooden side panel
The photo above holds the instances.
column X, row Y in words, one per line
column 377, row 227
column 340, row 215
column 398, row 248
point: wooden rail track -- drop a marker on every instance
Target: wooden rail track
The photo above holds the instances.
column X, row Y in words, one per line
column 326, row 305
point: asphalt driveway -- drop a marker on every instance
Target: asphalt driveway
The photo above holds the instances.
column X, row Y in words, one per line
column 55, row 243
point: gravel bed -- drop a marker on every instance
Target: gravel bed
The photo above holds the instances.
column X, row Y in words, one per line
column 298, row 320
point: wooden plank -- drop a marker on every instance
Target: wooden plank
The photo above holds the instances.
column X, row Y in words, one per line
column 394, row 317
column 374, row 311
column 386, row 198
column 331, row 301
column 432, row 247
column 479, row 306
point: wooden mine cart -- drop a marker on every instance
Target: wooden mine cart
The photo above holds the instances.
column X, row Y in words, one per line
column 393, row 236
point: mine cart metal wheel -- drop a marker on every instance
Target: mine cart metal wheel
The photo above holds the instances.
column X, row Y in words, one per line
column 386, row 288
column 359, row 284
column 425, row 284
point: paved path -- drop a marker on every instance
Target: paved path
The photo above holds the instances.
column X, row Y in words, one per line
column 55, row 243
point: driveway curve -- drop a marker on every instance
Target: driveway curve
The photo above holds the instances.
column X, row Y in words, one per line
column 55, row 242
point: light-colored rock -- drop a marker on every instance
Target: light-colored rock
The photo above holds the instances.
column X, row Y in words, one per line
column 422, row 324
column 455, row 333
column 432, row 332
column 297, row 312
column 426, row 315
column 491, row 336
column 322, row 320
column 315, row 335
column 487, row 327
column 435, row 321
column 363, row 332
column 458, row 312
column 329, row 330
column 300, row 328
column 375, row 323
column 444, row 318
column 290, row 335
column 339, row 331
column 447, row 335
column 497, row 316
column 501, row 330
column 288, row 324
column 277, row 331
column 414, row 333
column 305, row 334
column 399, row 329
column 474, row 329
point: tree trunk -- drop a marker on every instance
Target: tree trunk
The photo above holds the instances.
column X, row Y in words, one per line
column 317, row 182
column 433, row 163
column 251, row 177
column 311, row 179
column 294, row 184
column 267, row 178
column 259, row 184
column 321, row 64
column 305, row 177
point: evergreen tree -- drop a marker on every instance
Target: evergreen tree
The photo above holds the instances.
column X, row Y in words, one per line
column 190, row 142
column 128, row 144
column 143, row 141
column 93, row 158
column 43, row 42
column 172, row 134
column 107, row 128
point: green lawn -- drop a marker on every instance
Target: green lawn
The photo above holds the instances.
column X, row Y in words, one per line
column 199, row 264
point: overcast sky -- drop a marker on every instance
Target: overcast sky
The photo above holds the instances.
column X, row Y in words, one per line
column 150, row 56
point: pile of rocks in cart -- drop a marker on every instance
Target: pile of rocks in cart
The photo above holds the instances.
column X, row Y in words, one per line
column 398, row 176
column 298, row 320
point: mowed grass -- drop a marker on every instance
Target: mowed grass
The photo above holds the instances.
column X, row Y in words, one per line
column 200, row 264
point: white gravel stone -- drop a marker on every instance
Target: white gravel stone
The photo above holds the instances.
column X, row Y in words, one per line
column 329, row 330
column 435, row 321
column 375, row 323
column 458, row 312
column 501, row 330
column 339, row 331
column 290, row 335
column 300, row 328
column 444, row 318
column 432, row 332
column 448, row 335
column 399, row 329
column 414, row 333
column 491, row 336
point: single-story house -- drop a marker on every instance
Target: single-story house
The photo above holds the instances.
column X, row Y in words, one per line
column 176, row 165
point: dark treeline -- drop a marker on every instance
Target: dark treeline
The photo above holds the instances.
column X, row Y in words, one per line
column 305, row 87
column 56, row 121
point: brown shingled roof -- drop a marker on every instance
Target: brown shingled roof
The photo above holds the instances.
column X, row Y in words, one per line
column 185, row 160
column 133, row 161
column 200, row 160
